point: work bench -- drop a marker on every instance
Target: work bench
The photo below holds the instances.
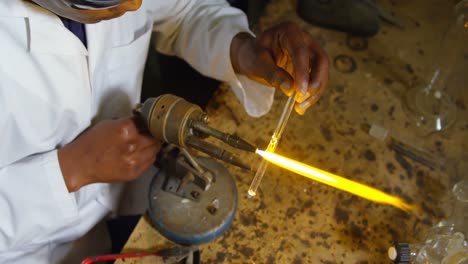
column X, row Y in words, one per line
column 296, row 220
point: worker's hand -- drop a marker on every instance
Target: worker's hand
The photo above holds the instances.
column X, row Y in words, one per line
column 285, row 57
column 110, row 151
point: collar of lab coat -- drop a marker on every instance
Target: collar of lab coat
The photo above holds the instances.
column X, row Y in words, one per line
column 41, row 26
column 39, row 40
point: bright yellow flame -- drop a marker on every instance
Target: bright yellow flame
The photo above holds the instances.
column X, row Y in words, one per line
column 338, row 182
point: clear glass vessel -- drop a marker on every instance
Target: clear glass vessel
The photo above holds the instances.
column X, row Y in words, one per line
column 430, row 106
column 446, row 242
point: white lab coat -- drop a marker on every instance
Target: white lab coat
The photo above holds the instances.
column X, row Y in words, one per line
column 52, row 88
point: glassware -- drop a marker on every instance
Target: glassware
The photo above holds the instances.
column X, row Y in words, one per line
column 289, row 106
column 442, row 246
column 430, row 106
column 445, row 243
column 459, row 216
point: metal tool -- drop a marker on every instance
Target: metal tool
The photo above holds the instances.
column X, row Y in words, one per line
column 405, row 149
column 176, row 121
column 192, row 199
column 191, row 205
column 232, row 140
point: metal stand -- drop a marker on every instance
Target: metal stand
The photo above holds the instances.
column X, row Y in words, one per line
column 192, row 200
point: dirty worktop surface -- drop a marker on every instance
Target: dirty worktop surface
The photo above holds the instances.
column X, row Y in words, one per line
column 296, row 220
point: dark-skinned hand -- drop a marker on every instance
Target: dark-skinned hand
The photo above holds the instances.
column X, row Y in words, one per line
column 110, row 151
column 285, row 57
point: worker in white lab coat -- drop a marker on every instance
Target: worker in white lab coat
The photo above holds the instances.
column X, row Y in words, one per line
column 67, row 140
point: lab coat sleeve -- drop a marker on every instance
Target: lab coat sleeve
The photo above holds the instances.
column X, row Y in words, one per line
column 34, row 200
column 201, row 33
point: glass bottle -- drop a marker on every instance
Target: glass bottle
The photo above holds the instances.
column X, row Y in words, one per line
column 459, row 216
column 445, row 242
column 441, row 247
column 430, row 106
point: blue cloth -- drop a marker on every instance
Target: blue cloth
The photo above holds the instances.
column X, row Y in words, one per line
column 76, row 28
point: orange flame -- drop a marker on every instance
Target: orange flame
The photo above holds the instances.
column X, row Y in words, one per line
column 338, row 182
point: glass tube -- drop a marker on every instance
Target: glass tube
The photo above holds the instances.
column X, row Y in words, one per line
column 272, row 145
